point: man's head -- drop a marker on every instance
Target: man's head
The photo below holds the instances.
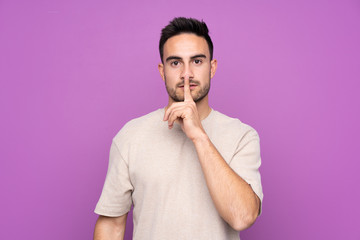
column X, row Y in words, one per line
column 186, row 50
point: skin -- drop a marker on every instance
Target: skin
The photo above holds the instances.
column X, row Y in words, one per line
column 187, row 71
column 110, row 228
column 180, row 60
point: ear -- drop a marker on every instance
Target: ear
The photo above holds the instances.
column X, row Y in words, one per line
column 213, row 67
column 161, row 70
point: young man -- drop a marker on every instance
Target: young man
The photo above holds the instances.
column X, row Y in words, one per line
column 190, row 171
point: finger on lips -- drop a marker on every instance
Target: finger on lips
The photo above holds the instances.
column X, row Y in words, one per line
column 187, row 92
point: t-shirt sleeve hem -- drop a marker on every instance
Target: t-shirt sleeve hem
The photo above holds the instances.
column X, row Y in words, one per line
column 109, row 213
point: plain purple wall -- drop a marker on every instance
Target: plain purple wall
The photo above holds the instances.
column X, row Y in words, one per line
column 74, row 72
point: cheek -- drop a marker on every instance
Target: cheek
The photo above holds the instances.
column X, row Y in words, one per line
column 171, row 75
column 204, row 74
column 170, row 80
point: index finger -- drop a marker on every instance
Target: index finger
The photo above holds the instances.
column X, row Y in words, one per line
column 187, row 92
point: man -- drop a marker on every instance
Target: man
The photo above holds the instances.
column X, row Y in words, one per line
column 190, row 171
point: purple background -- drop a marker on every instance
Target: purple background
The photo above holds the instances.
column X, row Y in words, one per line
column 74, row 72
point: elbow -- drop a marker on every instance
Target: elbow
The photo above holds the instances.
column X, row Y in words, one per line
column 242, row 223
column 247, row 218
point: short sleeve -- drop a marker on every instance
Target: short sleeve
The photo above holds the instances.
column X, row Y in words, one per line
column 247, row 160
column 115, row 199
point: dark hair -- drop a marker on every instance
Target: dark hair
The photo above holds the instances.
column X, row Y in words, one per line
column 185, row 25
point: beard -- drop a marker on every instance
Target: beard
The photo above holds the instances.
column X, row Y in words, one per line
column 203, row 92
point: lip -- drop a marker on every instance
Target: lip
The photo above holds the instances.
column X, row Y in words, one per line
column 192, row 86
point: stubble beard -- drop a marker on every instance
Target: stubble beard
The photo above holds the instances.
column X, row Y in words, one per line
column 203, row 92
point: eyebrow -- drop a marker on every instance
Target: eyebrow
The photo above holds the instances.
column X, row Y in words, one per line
column 172, row 58
column 179, row 58
column 198, row 56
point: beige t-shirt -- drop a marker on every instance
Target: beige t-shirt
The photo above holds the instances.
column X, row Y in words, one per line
column 157, row 170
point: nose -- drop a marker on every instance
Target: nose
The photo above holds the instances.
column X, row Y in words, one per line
column 187, row 72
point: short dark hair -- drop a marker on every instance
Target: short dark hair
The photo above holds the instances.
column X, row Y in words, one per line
column 185, row 25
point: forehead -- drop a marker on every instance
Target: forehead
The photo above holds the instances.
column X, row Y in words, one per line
column 186, row 44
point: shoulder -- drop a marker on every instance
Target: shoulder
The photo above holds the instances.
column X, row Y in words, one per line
column 229, row 134
column 233, row 126
column 133, row 128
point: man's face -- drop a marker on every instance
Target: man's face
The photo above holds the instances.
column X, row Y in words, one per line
column 187, row 55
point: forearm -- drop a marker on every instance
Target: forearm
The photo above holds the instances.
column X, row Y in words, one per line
column 109, row 228
column 233, row 197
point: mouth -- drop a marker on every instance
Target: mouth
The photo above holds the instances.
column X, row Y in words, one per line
column 192, row 86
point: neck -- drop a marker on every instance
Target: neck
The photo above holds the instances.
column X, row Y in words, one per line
column 202, row 107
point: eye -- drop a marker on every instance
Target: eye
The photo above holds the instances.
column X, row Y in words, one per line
column 175, row 63
column 197, row 61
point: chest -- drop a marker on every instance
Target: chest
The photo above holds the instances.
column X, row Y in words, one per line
column 162, row 160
